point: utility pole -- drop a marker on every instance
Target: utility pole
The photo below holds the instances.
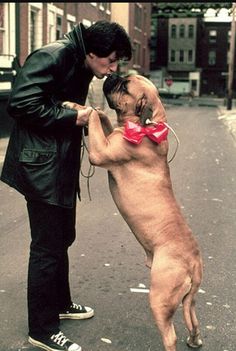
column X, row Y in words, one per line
column 231, row 60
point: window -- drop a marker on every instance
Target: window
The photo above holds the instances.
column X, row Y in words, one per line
column 138, row 16
column 194, row 84
column 190, row 31
column 35, row 33
column 153, row 55
column 71, row 21
column 212, row 58
column 7, row 43
column 70, row 26
column 173, row 31
column 172, row 56
column 190, row 55
column 137, row 53
column 55, row 21
column 153, row 28
column 212, row 36
column 33, row 21
column 181, row 55
column 51, row 26
column 2, row 27
column 182, row 31
column 59, row 27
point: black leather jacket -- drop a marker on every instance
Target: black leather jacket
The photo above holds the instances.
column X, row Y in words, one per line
column 43, row 156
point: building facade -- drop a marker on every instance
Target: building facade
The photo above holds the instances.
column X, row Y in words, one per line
column 136, row 19
column 26, row 26
column 215, row 43
column 190, row 49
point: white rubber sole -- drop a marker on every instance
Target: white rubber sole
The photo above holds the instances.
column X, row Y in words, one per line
column 84, row 315
column 48, row 348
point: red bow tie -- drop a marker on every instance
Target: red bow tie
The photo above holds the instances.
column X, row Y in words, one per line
column 134, row 132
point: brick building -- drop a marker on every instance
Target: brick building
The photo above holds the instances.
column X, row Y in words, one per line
column 26, row 26
column 190, row 45
column 215, row 42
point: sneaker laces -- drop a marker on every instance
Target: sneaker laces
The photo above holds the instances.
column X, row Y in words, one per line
column 60, row 339
column 76, row 306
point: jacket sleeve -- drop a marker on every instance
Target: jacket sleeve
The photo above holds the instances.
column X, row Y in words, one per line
column 32, row 100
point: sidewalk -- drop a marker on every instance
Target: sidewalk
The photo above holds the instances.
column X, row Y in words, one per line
column 229, row 119
column 3, row 147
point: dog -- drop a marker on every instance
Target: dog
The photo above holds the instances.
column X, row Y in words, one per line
column 135, row 155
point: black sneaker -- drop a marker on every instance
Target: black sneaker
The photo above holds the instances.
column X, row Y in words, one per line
column 77, row 312
column 57, row 342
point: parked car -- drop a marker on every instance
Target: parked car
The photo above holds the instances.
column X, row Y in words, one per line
column 165, row 93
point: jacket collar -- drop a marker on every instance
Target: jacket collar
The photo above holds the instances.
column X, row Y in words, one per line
column 76, row 38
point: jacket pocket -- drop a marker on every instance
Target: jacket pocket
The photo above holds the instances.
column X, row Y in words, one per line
column 38, row 172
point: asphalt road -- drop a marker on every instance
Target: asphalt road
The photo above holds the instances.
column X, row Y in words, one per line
column 107, row 262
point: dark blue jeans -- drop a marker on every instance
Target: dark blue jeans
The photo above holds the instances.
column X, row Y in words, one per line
column 52, row 232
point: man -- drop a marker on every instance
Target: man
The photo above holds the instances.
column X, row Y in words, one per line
column 43, row 162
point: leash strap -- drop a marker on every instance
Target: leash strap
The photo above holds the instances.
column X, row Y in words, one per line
column 91, row 170
column 148, row 121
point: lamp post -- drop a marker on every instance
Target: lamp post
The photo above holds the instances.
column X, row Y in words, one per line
column 231, row 60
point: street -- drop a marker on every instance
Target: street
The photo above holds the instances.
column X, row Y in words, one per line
column 107, row 262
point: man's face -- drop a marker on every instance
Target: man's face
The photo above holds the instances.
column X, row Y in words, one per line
column 102, row 66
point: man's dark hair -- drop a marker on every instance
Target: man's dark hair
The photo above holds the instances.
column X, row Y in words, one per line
column 103, row 37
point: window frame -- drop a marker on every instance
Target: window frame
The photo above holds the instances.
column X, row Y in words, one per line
column 190, row 31
column 37, row 8
column 173, row 31
column 182, row 31
column 212, row 58
column 181, row 56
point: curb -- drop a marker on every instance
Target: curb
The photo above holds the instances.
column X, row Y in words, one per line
column 3, row 147
column 228, row 117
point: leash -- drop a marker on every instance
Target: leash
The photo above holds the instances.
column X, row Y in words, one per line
column 91, row 169
column 148, row 121
column 177, row 142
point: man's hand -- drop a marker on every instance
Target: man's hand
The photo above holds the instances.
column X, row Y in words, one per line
column 83, row 116
column 83, row 112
